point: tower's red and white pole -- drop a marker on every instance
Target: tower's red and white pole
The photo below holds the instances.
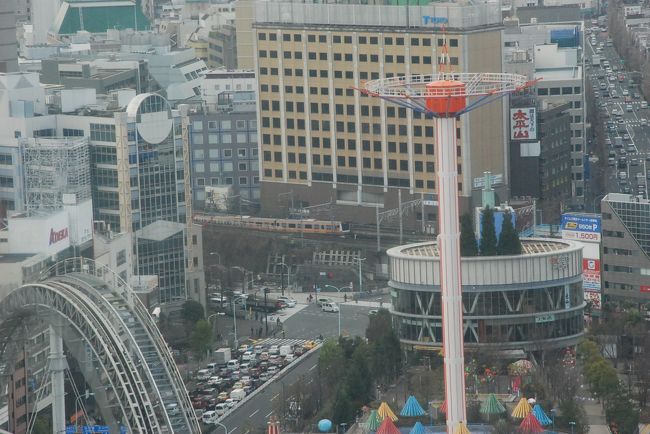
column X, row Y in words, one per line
column 446, row 107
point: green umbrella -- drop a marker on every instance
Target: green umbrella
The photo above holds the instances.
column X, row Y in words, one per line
column 373, row 421
column 492, row 405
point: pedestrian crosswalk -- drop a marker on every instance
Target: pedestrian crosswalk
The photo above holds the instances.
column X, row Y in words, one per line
column 280, row 342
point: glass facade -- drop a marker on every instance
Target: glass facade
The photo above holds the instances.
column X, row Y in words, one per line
column 155, row 174
column 505, row 317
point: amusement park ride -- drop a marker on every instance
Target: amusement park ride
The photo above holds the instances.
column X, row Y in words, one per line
column 445, row 96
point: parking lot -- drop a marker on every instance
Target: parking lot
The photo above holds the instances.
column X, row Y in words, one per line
column 218, row 389
column 625, row 116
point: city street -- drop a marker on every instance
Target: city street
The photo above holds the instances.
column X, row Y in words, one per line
column 625, row 119
column 255, row 412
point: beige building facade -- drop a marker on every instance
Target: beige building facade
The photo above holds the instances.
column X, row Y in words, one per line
column 323, row 140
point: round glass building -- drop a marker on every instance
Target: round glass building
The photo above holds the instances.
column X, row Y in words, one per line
column 524, row 302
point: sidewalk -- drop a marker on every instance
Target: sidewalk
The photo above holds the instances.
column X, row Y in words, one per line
column 595, row 417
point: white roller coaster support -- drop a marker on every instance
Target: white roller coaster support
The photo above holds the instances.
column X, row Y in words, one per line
column 57, row 368
column 449, row 246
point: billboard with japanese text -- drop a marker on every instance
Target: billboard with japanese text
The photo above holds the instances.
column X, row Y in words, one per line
column 523, row 123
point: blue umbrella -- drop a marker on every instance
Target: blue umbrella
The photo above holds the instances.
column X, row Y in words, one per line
column 541, row 417
column 418, row 428
column 412, row 408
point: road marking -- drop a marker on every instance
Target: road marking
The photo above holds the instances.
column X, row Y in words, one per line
column 275, row 397
column 313, row 367
column 232, row 430
column 254, row 413
column 270, row 413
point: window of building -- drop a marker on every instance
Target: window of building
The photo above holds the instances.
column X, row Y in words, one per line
column 243, row 180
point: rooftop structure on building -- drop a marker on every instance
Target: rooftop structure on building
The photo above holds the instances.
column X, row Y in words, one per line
column 97, row 17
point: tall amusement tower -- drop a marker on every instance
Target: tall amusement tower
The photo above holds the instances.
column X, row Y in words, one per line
column 444, row 97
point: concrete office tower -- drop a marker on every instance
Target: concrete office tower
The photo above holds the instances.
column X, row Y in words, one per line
column 321, row 140
column 8, row 45
column 625, row 247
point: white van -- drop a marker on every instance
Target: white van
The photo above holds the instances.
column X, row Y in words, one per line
column 237, row 394
column 644, row 104
column 220, row 409
column 203, row 374
column 330, row 307
column 232, row 365
column 284, row 350
column 209, row 417
column 213, row 366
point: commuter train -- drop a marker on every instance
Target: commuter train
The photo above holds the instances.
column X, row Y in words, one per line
column 306, row 226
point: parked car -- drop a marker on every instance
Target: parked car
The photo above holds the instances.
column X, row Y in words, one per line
column 321, row 300
column 221, row 409
column 290, row 302
column 222, row 396
column 289, row 358
column 274, row 350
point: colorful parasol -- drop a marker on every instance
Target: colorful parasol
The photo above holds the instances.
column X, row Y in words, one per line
column 412, row 408
column 384, row 411
column 522, row 409
column 530, row 425
column 541, row 417
column 373, row 421
column 461, row 428
column 418, row 428
column 273, row 425
column 492, row 405
column 443, row 406
column 387, row 427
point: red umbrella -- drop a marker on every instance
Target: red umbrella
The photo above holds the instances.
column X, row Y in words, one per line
column 273, row 425
column 443, row 406
column 386, row 427
column 530, row 425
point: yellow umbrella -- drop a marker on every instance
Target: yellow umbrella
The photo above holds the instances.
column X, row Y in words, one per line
column 461, row 428
column 522, row 409
column 384, row 411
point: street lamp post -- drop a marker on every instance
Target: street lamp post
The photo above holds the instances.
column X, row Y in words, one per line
column 217, row 255
column 572, row 424
column 76, row 408
column 282, row 276
column 234, row 322
column 359, row 260
column 553, row 417
column 222, row 426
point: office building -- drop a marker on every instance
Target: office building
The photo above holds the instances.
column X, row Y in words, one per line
column 8, row 44
column 224, row 148
column 540, row 165
column 625, row 248
column 323, row 141
column 222, row 48
column 552, row 53
column 517, row 304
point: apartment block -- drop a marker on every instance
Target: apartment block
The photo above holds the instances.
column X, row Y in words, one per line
column 322, row 140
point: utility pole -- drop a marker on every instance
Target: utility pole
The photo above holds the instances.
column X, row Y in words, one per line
column 282, row 280
column 266, row 311
column 399, row 207
column 359, row 259
column 422, row 211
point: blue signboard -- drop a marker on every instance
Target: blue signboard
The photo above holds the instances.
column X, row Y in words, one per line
column 70, row 429
column 428, row 19
column 581, row 223
column 123, row 429
column 89, row 429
